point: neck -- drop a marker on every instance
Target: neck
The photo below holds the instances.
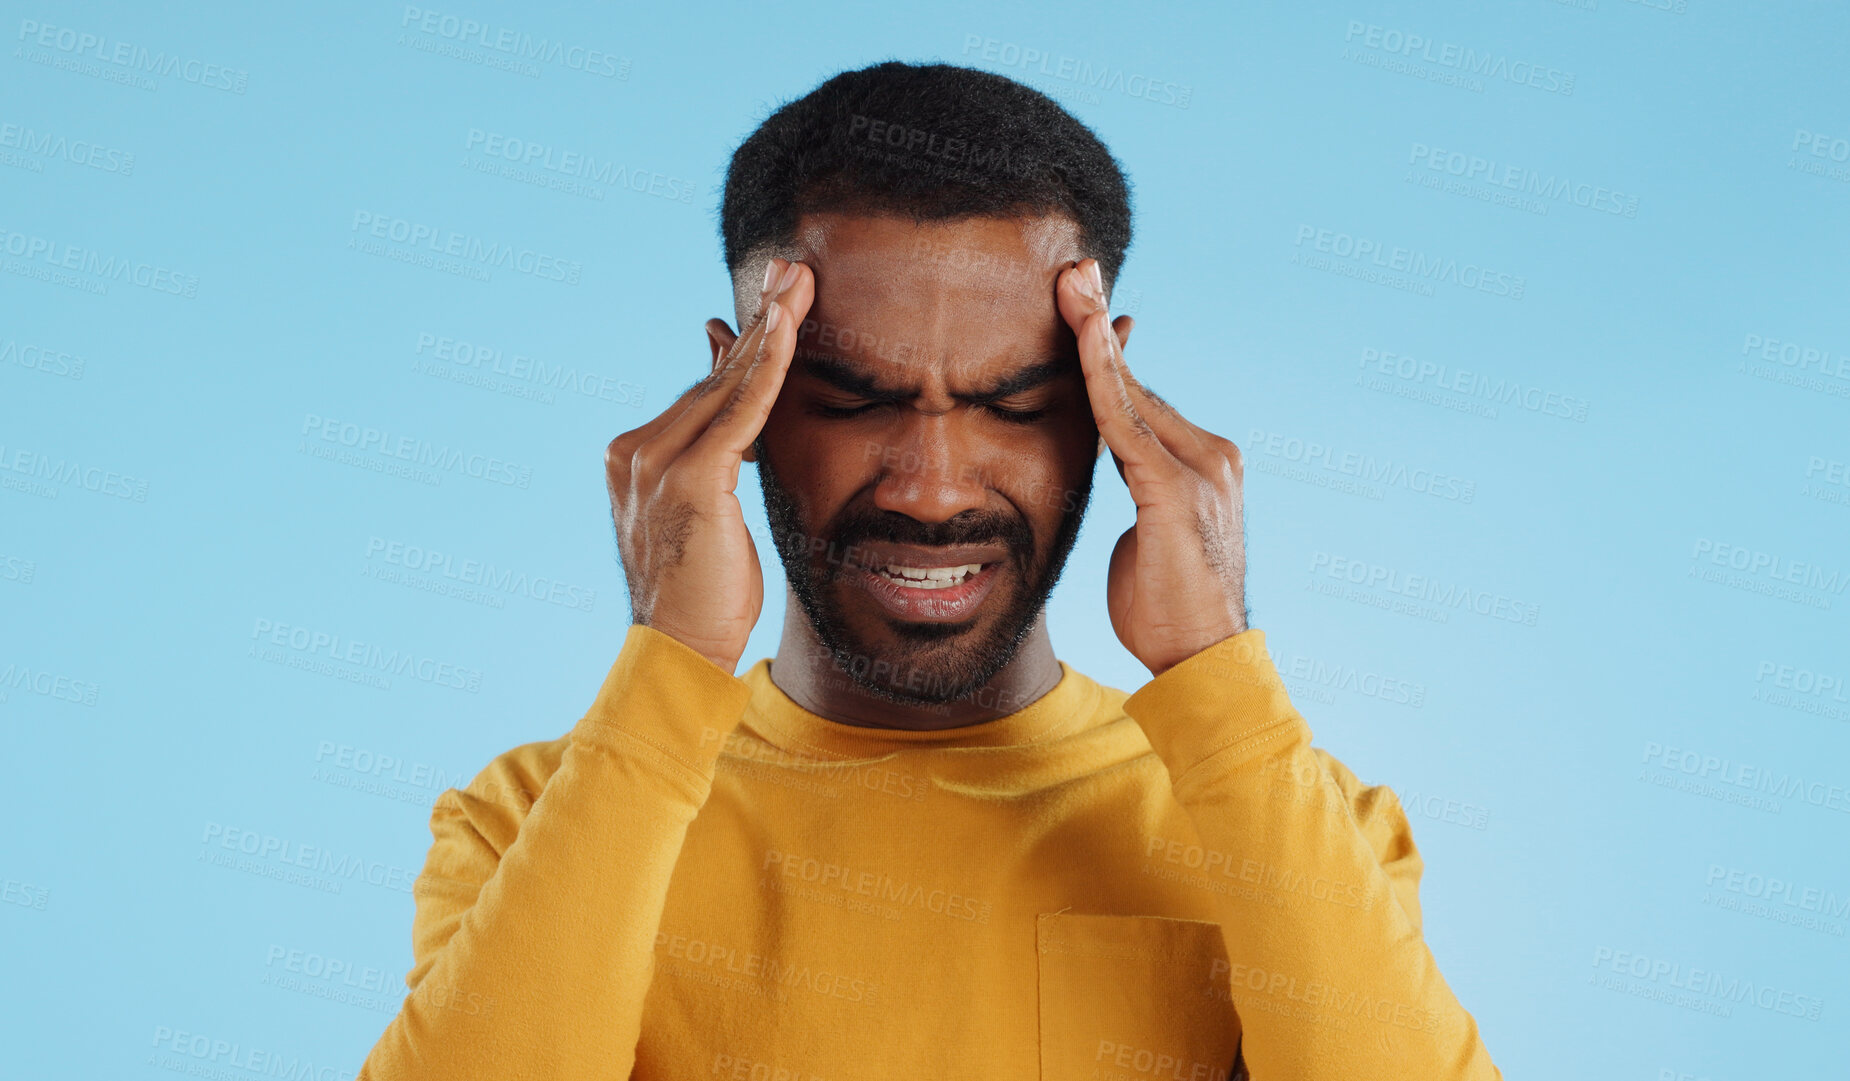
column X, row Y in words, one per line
column 805, row 670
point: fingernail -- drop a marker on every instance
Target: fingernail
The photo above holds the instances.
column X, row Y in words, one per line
column 770, row 275
column 1098, row 283
column 773, row 316
column 789, row 279
column 1082, row 281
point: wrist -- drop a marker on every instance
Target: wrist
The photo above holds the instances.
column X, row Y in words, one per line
column 1226, row 703
column 1195, row 645
column 661, row 693
column 718, row 654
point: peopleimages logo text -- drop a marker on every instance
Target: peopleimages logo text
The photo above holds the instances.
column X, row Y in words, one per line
column 1528, row 181
column 366, row 655
column 410, row 448
column 1411, row 262
column 1447, row 54
column 133, row 57
column 517, row 43
column 48, row 144
column 579, row 165
column 1099, row 76
column 471, row 249
column 108, row 268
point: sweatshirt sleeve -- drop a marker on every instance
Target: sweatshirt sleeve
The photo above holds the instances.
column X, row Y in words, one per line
column 534, row 938
column 1327, row 966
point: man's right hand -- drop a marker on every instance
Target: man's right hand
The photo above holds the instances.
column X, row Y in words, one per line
column 692, row 568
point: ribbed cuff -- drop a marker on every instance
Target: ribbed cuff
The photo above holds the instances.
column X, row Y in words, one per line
column 664, row 694
column 1226, row 703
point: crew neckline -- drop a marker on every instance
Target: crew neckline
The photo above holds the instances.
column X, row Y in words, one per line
column 779, row 718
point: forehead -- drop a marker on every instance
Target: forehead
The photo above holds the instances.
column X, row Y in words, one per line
column 871, row 258
column 974, row 295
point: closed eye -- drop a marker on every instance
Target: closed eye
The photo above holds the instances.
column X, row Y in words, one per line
column 828, row 410
column 1012, row 416
column 1016, row 416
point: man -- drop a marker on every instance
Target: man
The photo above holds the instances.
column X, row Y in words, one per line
column 915, row 843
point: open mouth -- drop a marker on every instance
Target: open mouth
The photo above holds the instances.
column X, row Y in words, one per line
column 950, row 593
column 928, row 583
column 930, row 577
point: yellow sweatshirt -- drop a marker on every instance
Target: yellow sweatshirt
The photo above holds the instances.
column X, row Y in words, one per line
column 704, row 880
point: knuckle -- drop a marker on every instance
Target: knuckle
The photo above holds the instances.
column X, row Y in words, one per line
column 1236, row 460
column 617, row 452
column 647, row 461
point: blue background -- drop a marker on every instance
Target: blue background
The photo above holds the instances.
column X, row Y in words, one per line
column 1565, row 777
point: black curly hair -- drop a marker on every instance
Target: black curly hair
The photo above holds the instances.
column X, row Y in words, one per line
column 933, row 141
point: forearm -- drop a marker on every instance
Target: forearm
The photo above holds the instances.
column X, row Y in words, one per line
column 1328, row 970
column 547, row 971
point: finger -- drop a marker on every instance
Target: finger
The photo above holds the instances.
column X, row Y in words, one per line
column 726, row 366
column 1077, row 304
column 737, row 424
column 1208, row 454
column 708, row 383
column 1122, row 327
column 674, row 409
column 711, row 395
column 1127, row 431
column 1134, row 443
column 1201, row 450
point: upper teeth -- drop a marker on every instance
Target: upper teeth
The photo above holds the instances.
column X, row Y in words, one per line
column 937, row 577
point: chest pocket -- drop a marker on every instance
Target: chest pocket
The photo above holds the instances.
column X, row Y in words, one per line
column 1134, row 998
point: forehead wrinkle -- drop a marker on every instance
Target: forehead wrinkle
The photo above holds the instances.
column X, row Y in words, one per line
column 922, row 358
column 928, row 356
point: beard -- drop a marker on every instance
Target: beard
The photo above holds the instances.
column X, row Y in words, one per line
column 933, row 663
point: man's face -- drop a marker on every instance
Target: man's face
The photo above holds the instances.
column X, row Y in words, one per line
column 930, row 455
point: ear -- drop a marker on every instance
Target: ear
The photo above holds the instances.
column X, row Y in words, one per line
column 719, row 339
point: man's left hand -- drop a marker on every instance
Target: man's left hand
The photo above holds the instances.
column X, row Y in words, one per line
column 1177, row 583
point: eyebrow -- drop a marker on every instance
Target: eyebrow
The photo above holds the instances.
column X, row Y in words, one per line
column 851, row 379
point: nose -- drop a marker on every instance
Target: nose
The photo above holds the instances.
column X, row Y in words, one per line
column 927, row 472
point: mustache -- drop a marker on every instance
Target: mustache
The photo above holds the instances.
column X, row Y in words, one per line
column 857, row 527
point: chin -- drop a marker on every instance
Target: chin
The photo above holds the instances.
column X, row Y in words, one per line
column 921, row 664
column 897, row 639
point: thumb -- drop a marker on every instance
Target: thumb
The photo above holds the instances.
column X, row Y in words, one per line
column 1121, row 585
